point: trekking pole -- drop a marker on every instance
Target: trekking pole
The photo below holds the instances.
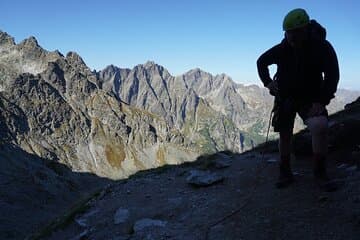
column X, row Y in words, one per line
column 250, row 195
column 276, row 95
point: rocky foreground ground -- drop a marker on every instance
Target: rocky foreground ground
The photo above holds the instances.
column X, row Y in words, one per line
column 162, row 204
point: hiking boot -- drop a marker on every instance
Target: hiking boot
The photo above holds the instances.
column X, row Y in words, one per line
column 320, row 172
column 286, row 176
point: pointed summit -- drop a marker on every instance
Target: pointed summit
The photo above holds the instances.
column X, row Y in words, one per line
column 152, row 64
column 30, row 42
column 6, row 39
column 74, row 59
column 197, row 71
column 224, row 77
column 111, row 68
column 152, row 67
column 196, row 74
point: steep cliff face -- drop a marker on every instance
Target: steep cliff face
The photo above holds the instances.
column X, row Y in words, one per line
column 226, row 106
column 56, row 108
column 177, row 100
column 89, row 131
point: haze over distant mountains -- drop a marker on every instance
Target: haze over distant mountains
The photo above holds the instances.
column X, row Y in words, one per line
column 117, row 121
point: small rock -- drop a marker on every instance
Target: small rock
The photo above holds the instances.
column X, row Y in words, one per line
column 223, row 162
column 128, row 191
column 271, row 160
column 342, row 166
column 147, row 222
column 121, row 216
column 82, row 220
column 203, row 178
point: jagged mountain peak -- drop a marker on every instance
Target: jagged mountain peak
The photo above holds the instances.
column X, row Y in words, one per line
column 197, row 72
column 6, row 39
column 150, row 65
column 224, row 76
column 26, row 57
column 110, row 67
column 152, row 68
column 30, row 41
column 57, row 52
column 73, row 57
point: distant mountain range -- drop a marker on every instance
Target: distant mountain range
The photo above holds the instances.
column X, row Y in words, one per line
column 117, row 121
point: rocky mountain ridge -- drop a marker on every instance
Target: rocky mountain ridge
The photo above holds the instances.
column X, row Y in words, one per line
column 66, row 116
column 118, row 121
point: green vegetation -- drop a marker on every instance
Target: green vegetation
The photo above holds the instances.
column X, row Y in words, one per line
column 255, row 133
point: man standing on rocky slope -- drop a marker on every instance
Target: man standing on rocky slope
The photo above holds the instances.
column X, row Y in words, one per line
column 305, row 82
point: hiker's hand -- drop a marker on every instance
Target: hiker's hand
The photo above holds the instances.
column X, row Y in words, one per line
column 316, row 109
column 273, row 88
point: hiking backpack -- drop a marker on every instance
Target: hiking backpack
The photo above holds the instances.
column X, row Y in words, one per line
column 317, row 31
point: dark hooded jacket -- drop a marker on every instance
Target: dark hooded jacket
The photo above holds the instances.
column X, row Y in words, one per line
column 310, row 75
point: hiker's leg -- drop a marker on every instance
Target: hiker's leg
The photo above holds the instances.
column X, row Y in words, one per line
column 285, row 142
column 283, row 122
column 318, row 127
column 285, row 152
column 285, row 176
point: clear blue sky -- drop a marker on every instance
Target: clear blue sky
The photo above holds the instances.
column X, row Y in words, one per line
column 222, row 36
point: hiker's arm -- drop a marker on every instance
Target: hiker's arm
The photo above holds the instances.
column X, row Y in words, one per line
column 331, row 74
column 265, row 60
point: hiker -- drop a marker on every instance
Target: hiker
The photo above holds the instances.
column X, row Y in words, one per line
column 305, row 82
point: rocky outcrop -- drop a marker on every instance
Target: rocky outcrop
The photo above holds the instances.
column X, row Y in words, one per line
column 95, row 133
column 54, row 108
